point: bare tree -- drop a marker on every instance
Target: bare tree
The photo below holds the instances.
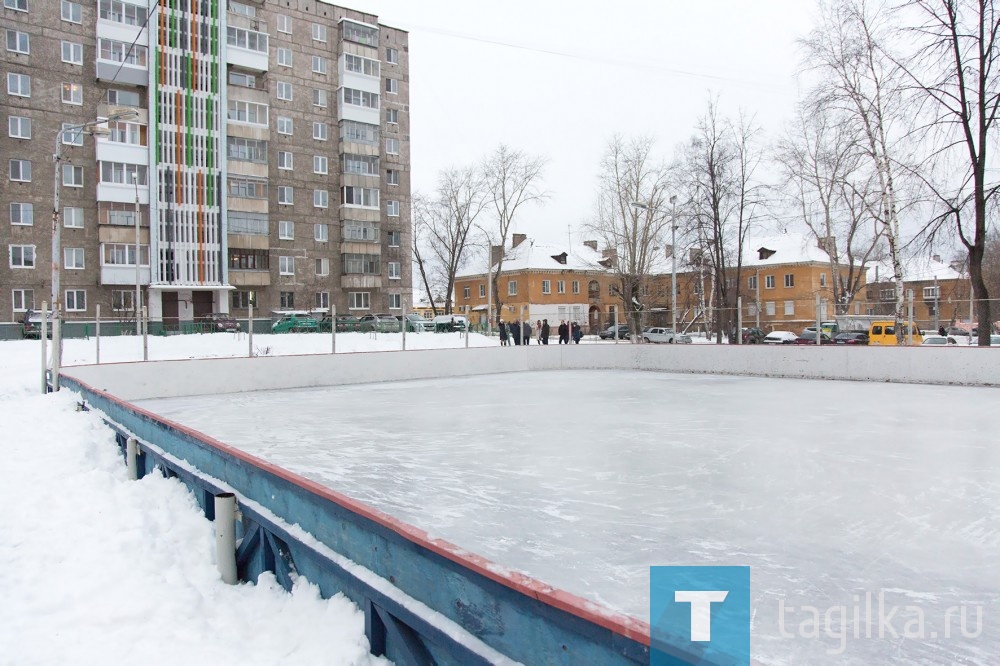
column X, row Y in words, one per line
column 955, row 69
column 630, row 175
column 511, row 179
column 827, row 179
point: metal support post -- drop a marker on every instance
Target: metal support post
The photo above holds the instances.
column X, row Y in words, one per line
column 403, row 327
column 145, row 335
column 97, row 330
column 819, row 327
column 909, row 317
column 250, row 329
column 333, row 329
column 132, row 458
column 739, row 320
column 44, row 336
column 225, row 536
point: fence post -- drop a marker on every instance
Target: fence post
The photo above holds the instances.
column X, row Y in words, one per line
column 97, row 331
column 819, row 329
column 403, row 322
column 225, row 536
column 739, row 320
column 131, row 458
column 44, row 336
column 909, row 318
column 467, row 326
column 250, row 330
column 333, row 329
column 145, row 334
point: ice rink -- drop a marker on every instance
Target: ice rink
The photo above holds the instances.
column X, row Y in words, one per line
column 840, row 496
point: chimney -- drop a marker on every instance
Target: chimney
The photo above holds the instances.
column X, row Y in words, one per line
column 591, row 244
column 828, row 244
column 496, row 253
column 937, row 258
column 610, row 254
column 518, row 239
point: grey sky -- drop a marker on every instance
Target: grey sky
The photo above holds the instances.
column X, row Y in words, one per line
column 558, row 79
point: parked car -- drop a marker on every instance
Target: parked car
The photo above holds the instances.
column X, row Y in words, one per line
column 448, row 323
column 851, row 338
column 381, row 322
column 751, row 336
column 345, row 323
column 884, row 333
column 31, row 324
column 609, row 333
column 417, row 324
column 809, row 338
column 780, row 338
column 295, row 322
column 940, row 341
column 684, row 339
column 995, row 341
column 220, row 321
column 659, row 334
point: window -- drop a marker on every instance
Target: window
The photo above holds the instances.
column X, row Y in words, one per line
column 247, row 187
column 360, row 132
column 243, row 299
column 287, row 300
column 930, row 293
column 284, row 125
column 360, row 33
column 72, row 93
column 322, row 267
column 392, row 116
column 392, row 146
column 285, row 57
column 24, row 299
column 286, row 230
column 512, row 287
column 121, row 218
column 20, row 171
column 361, row 264
column 789, row 280
column 124, row 12
column 358, row 300
column 320, row 164
column 72, row 12
column 132, row 134
column 394, row 274
column 122, row 300
column 546, row 287
column 822, row 279
column 18, row 85
column 752, row 283
column 72, row 53
column 248, row 260
column 254, row 224
column 246, row 39
column 321, row 199
column 391, row 56
column 395, row 301
column 560, row 286
column 285, row 159
column 359, row 196
column 395, row 238
column 123, row 52
column 482, row 291
column 769, row 282
column 72, row 135
column 319, row 98
column 322, row 300
column 22, row 256
column 360, row 65
column 286, row 195
column 286, row 265
column 284, row 24
column 789, row 308
column 284, row 90
column 249, row 112
column 576, row 286
column 123, row 97
column 360, row 231
column 73, row 258
column 887, row 294
column 392, row 208
column 392, row 177
column 242, row 80
column 362, row 98
column 770, row 308
column 19, row 127
column 22, row 214
column 320, row 131
column 247, row 150
column 73, row 217
column 361, row 164
column 318, row 32
column 76, row 300
column 319, row 65
column 17, row 5
column 18, row 42
column 123, row 254
column 122, row 173
column 392, row 86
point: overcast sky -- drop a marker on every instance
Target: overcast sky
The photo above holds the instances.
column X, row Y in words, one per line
column 559, row 79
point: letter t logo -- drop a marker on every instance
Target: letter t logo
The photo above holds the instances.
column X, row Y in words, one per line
column 701, row 610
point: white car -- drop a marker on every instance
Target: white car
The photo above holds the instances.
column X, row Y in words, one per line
column 659, row 334
column 780, row 338
column 941, row 341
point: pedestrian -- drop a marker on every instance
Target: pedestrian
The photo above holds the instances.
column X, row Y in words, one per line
column 942, row 332
column 515, row 332
column 563, row 332
column 545, row 332
column 577, row 333
column 538, row 331
column 526, row 331
column 503, row 333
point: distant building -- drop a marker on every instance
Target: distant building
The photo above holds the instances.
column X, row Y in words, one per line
column 940, row 292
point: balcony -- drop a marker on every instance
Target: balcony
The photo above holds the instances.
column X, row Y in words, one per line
column 361, row 281
column 244, row 278
column 246, row 42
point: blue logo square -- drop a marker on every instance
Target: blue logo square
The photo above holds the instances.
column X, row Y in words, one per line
column 699, row 615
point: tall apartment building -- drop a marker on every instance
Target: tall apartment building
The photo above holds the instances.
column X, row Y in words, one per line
column 268, row 144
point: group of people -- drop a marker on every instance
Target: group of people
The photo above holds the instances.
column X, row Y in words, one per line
column 518, row 332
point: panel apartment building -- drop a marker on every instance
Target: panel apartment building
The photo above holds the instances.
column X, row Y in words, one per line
column 261, row 156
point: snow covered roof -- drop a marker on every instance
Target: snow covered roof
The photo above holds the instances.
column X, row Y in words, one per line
column 786, row 248
column 918, row 269
column 529, row 255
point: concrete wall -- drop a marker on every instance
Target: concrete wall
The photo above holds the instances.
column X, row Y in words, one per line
column 137, row 381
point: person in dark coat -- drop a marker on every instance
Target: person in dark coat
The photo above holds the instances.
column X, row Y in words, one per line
column 515, row 332
column 526, row 332
column 503, row 333
column 563, row 333
column 544, row 335
column 577, row 333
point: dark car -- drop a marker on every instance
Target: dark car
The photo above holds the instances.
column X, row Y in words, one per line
column 220, row 321
column 345, row 323
column 31, row 325
column 383, row 323
column 609, row 333
column 851, row 338
column 809, row 338
column 752, row 336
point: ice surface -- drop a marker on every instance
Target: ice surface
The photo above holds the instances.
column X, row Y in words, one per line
column 830, row 491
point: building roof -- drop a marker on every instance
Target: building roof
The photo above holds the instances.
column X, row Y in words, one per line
column 785, row 248
column 919, row 269
column 529, row 255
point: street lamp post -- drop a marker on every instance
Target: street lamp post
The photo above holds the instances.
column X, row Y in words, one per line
column 673, row 255
column 138, row 292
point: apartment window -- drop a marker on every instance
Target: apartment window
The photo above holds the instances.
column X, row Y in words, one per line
column 246, row 187
column 18, row 85
column 319, row 98
column 249, row 260
column 769, row 308
column 362, row 34
column 789, row 280
column 242, row 80
column 319, row 65
column 17, row 5
column 576, row 286
column 362, row 98
column 22, row 256
column 392, row 116
column 366, row 165
column 360, row 65
column 392, row 86
column 284, row 24
column 254, row 224
column 285, row 57
column 287, row 300
column 752, row 283
column 123, row 254
column 72, row 12
column 123, row 52
column 392, row 146
column 76, row 300
column 286, row 230
column 72, row 53
column 822, row 279
column 358, row 300
column 359, row 196
column 286, row 265
column 285, row 159
column 248, row 112
column 246, row 39
column 789, row 308
column 769, row 282
column 361, row 264
column 359, row 132
column 284, row 91
column 23, row 299
column 930, row 293
column 392, row 177
column 512, row 287
column 73, row 258
column 18, row 127
column 318, row 32
column 247, row 150
column 322, row 267
column 22, row 214
column 560, row 286
column 394, row 274
column 887, row 294
column 72, row 135
column 395, row 301
column 132, row 134
column 72, row 93
column 322, row 300
column 73, row 217
column 123, row 97
column 392, row 208
column 243, row 299
column 320, row 131
column 546, row 287
column 320, row 164
column 122, row 218
column 20, row 170
column 122, row 173
column 18, row 42
column 395, row 238
column 482, row 291
column 286, row 195
column 391, row 56
column 321, row 199
column 123, row 300
column 124, row 12
column 284, row 125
